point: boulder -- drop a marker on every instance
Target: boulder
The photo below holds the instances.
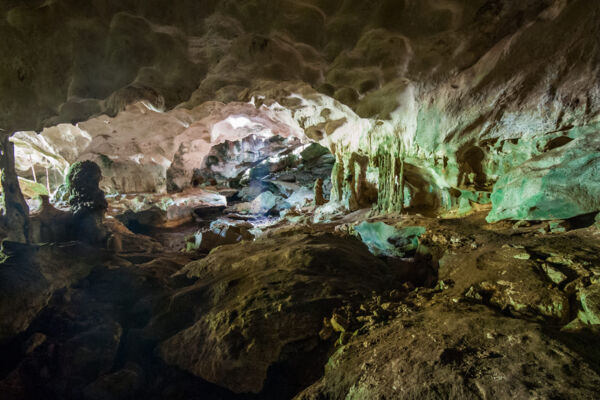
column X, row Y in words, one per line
column 387, row 240
column 91, row 353
column 120, row 385
column 219, row 233
column 590, row 304
column 263, row 304
column 142, row 221
column 313, row 151
column 264, row 203
column 123, row 241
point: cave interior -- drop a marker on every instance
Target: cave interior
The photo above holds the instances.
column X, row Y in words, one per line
column 310, row 200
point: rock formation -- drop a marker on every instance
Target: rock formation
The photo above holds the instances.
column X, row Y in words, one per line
column 14, row 208
column 316, row 199
column 87, row 201
column 451, row 89
column 318, row 189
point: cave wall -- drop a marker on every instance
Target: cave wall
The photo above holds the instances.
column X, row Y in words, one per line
column 466, row 91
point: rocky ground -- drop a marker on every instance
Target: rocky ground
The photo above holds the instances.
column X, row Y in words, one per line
column 306, row 311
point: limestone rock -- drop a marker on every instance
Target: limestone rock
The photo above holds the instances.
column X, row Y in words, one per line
column 387, row 240
column 83, row 179
column 31, row 274
column 121, row 384
column 264, row 203
column 267, row 297
column 454, row 89
column 15, row 210
column 93, row 352
column 87, row 201
column 49, row 224
column 590, row 302
column 459, row 353
column 312, row 152
column 522, row 298
column 559, row 184
column 220, row 232
column 143, row 219
column 318, row 192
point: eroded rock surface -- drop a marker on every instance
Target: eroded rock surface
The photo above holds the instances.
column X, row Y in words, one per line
column 434, row 100
column 561, row 183
column 455, row 352
column 429, row 109
column 261, row 303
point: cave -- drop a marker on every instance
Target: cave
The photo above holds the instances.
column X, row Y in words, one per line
column 309, row 200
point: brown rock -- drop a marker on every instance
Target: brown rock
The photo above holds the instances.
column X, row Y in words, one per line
column 241, row 321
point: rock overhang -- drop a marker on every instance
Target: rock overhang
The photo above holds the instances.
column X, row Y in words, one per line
column 428, row 92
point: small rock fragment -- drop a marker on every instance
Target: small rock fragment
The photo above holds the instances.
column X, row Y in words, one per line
column 339, row 323
column 522, row 256
column 554, row 274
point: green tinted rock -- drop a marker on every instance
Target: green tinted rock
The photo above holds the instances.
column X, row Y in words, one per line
column 384, row 239
column 559, row 184
column 554, row 274
column 590, row 302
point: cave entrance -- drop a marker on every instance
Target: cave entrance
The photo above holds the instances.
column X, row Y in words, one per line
column 265, row 175
column 240, row 161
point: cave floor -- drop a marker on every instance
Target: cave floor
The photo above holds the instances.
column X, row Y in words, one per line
column 481, row 311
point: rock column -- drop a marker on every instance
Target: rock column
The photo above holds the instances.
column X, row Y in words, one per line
column 16, row 210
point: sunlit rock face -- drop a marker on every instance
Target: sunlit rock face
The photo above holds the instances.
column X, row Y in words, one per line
column 425, row 104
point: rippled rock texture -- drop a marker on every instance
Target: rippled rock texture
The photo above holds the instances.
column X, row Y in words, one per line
column 449, row 97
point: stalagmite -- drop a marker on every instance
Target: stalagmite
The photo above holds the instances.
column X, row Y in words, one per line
column 318, row 191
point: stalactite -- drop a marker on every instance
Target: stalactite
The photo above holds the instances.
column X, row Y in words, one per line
column 389, row 161
column 349, row 181
column 337, row 179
